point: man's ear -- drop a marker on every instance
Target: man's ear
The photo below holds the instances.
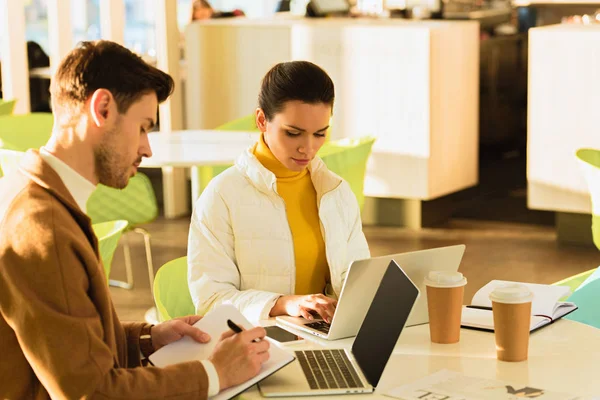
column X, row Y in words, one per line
column 261, row 120
column 102, row 106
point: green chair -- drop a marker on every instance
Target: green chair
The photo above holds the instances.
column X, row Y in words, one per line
column 9, row 160
column 589, row 161
column 171, row 293
column 595, row 275
column 108, row 234
column 587, row 298
column 247, row 123
column 587, row 294
column 574, row 282
column 203, row 175
column 7, row 106
column 23, row 132
column 135, row 204
column 348, row 158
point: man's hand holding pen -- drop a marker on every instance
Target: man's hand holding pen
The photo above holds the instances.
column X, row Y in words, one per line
column 239, row 354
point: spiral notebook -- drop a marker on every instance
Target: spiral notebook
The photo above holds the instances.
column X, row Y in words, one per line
column 545, row 307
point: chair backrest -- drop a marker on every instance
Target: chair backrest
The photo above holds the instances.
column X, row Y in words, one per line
column 589, row 161
column 247, row 123
column 171, row 292
column 348, row 158
column 206, row 174
column 108, row 234
column 136, row 203
column 7, row 107
column 574, row 282
column 23, row 132
column 9, row 160
column 587, row 298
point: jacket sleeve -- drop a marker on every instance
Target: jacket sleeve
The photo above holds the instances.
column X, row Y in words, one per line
column 213, row 276
column 46, row 299
column 132, row 333
column 358, row 248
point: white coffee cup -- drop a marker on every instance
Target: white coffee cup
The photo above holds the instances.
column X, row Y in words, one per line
column 444, row 279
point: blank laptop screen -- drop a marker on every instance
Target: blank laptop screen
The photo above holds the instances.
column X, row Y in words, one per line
column 384, row 322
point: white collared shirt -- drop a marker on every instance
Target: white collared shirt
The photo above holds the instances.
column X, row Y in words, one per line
column 81, row 189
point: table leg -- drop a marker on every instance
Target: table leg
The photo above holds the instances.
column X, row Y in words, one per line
column 196, row 184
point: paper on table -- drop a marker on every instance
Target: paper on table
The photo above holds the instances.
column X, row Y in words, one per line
column 545, row 297
column 450, row 385
column 215, row 323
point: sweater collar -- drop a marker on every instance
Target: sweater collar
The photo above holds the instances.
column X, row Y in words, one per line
column 265, row 181
column 266, row 157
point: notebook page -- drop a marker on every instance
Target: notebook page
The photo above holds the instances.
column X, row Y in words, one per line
column 562, row 308
column 215, row 323
column 186, row 349
column 544, row 301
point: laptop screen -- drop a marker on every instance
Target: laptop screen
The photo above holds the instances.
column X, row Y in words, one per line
column 384, row 322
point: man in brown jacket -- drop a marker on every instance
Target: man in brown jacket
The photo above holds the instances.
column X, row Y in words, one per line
column 59, row 333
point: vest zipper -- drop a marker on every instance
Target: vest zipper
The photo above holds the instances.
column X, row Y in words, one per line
column 324, row 234
column 291, row 241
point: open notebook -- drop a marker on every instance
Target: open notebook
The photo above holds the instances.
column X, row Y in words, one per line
column 215, row 323
column 545, row 307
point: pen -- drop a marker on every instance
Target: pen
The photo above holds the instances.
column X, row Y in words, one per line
column 234, row 327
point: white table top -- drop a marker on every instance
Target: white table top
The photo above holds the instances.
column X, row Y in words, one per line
column 563, row 357
column 191, row 148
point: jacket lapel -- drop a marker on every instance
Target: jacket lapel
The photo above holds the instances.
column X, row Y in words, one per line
column 36, row 169
column 323, row 179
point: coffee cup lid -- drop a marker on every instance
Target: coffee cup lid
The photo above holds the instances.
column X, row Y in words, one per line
column 443, row 279
column 511, row 294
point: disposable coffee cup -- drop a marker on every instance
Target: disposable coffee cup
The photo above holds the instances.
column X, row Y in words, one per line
column 511, row 306
column 445, row 292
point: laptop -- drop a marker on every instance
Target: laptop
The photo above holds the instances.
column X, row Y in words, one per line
column 340, row 371
column 362, row 281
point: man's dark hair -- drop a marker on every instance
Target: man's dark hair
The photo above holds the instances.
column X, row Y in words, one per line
column 107, row 65
column 295, row 80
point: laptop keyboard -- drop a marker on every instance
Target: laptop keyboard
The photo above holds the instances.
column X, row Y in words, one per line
column 328, row 369
column 320, row 326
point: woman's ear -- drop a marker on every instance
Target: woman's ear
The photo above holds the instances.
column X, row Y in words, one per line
column 261, row 120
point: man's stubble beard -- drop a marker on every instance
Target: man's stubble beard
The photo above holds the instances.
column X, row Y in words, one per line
column 107, row 161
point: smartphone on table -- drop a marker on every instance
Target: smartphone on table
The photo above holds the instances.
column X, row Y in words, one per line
column 281, row 335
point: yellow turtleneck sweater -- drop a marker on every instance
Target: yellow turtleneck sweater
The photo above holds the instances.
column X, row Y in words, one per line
column 300, row 196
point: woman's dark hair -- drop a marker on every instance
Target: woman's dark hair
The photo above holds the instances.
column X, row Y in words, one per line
column 294, row 80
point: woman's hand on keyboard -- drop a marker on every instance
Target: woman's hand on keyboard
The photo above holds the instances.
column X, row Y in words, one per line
column 304, row 306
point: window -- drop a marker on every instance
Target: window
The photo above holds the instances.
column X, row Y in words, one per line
column 140, row 32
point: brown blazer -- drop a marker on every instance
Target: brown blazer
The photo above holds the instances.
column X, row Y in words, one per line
column 60, row 336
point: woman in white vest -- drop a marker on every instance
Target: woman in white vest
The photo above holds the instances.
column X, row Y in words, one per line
column 276, row 233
